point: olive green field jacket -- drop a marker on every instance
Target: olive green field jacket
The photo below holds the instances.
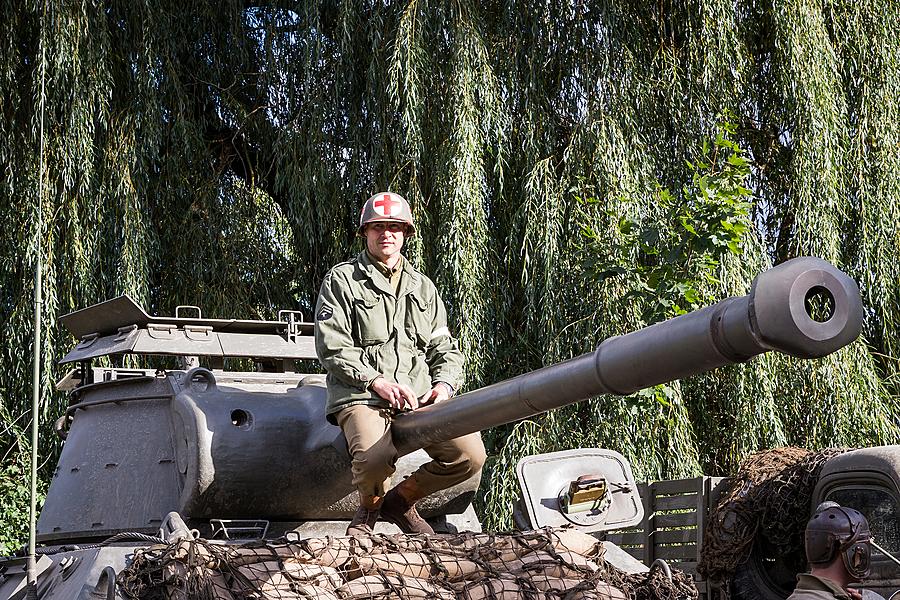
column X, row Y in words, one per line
column 364, row 330
column 810, row 587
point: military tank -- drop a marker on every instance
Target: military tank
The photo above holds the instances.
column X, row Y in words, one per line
column 237, row 454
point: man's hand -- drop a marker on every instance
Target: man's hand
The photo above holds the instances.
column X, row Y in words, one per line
column 397, row 394
column 440, row 392
column 854, row 593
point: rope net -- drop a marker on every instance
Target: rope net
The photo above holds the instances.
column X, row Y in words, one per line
column 543, row 564
column 767, row 503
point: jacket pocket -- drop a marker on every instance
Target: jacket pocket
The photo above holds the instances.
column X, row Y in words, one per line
column 371, row 322
column 418, row 321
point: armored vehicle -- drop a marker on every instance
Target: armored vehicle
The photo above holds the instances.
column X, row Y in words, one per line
column 205, row 443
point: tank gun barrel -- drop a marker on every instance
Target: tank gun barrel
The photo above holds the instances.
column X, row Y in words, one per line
column 775, row 315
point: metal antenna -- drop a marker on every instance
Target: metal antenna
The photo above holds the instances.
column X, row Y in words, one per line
column 888, row 555
column 31, row 563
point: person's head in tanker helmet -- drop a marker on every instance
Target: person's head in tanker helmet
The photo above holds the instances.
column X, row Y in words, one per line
column 837, row 546
column 385, row 222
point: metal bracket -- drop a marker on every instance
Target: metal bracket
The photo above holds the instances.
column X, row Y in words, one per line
column 174, row 528
column 180, row 306
column 293, row 320
column 239, row 529
column 107, row 582
column 69, row 565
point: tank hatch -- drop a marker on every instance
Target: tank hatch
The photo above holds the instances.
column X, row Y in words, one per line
column 592, row 489
column 121, row 326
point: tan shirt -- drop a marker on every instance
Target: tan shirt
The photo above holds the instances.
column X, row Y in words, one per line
column 392, row 275
column 811, row 587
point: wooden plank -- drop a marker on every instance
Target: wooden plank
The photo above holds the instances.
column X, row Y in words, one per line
column 675, row 520
column 643, row 488
column 636, row 529
column 627, row 539
column 676, row 502
column 675, row 536
column 647, row 498
column 717, row 487
column 682, row 552
column 678, row 486
column 703, row 512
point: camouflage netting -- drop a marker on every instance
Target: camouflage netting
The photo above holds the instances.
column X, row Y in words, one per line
column 544, row 564
column 767, row 502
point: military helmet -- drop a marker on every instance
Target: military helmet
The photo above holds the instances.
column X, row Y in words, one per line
column 386, row 206
column 835, row 529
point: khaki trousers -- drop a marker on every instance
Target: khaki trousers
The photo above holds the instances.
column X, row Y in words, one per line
column 373, row 463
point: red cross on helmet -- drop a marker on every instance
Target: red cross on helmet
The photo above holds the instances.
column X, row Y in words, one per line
column 386, row 206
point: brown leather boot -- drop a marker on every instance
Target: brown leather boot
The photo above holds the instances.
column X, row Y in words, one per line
column 399, row 508
column 366, row 516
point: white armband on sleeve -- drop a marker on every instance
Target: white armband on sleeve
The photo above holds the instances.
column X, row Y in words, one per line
column 440, row 331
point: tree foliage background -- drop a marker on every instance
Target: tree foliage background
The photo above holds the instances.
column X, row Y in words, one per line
column 577, row 170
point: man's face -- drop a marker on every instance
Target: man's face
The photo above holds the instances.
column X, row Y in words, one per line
column 385, row 239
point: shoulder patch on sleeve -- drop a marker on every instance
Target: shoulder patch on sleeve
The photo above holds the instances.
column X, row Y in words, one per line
column 325, row 313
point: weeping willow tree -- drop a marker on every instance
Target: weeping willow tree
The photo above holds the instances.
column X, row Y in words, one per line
column 217, row 155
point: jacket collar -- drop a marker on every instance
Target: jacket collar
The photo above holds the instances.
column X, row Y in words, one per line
column 410, row 280
column 807, row 581
column 408, row 283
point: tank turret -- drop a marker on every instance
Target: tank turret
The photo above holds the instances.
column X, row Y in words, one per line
column 217, row 445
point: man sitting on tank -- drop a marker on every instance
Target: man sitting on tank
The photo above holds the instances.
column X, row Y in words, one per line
column 382, row 337
column 839, row 553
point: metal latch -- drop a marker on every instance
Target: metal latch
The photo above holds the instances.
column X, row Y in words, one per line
column 198, row 333
column 124, row 332
column 87, row 341
column 68, row 565
column 587, row 493
column 161, row 331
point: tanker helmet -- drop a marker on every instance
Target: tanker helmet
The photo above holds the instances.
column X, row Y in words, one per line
column 835, row 530
column 386, row 206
